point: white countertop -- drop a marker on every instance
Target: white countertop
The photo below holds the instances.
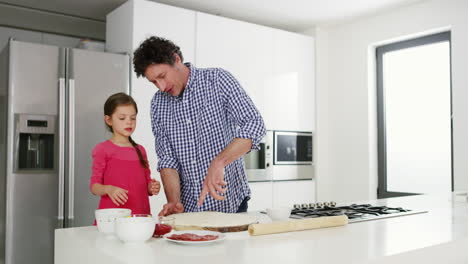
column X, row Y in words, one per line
column 420, row 238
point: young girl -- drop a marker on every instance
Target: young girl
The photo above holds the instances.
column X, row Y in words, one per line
column 120, row 173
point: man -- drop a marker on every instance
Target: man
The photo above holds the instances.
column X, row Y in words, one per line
column 203, row 123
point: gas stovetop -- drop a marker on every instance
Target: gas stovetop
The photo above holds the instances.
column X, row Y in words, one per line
column 355, row 212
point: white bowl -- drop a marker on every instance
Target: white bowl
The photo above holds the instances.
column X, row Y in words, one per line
column 105, row 218
column 279, row 213
column 135, row 229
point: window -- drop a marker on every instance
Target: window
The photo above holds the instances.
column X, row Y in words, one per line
column 414, row 116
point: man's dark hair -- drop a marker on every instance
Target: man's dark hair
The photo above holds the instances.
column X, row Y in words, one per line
column 154, row 50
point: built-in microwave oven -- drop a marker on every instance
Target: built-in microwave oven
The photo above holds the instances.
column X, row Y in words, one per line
column 292, row 156
column 292, row 148
column 283, row 156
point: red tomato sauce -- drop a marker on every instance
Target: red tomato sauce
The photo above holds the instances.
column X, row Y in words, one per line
column 162, row 229
column 192, row 237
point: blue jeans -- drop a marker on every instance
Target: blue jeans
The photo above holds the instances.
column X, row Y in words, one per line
column 243, row 206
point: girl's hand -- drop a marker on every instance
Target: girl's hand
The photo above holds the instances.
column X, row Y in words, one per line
column 118, row 195
column 154, row 186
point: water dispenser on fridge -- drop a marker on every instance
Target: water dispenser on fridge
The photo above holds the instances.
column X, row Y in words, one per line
column 35, row 142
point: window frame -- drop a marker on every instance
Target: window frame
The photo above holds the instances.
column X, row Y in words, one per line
column 382, row 191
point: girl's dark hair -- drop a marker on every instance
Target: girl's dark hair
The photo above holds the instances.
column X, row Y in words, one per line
column 154, row 50
column 110, row 105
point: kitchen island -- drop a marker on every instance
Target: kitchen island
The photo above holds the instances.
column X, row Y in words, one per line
column 438, row 236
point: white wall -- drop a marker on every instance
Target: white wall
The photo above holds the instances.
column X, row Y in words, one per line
column 346, row 103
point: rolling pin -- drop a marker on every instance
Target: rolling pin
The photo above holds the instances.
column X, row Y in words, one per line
column 297, row 225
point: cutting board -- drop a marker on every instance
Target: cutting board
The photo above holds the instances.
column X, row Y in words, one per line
column 213, row 221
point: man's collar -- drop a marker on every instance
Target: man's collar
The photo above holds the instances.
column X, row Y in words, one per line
column 192, row 73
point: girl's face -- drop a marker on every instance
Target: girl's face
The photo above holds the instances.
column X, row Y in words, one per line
column 123, row 120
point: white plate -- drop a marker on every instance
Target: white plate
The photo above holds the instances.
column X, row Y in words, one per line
column 221, row 236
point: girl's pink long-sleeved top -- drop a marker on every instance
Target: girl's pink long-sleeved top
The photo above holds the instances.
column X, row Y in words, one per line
column 121, row 167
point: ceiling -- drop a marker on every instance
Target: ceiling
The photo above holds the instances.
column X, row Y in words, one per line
column 293, row 15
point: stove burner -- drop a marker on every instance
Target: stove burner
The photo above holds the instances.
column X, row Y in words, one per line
column 357, row 212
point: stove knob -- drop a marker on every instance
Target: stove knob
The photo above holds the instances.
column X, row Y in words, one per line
column 297, row 206
column 332, row 204
column 319, row 205
column 305, row 205
column 311, row 205
column 327, row 204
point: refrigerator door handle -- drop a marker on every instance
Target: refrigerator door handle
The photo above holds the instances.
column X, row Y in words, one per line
column 71, row 152
column 61, row 165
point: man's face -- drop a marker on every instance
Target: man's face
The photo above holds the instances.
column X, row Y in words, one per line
column 167, row 78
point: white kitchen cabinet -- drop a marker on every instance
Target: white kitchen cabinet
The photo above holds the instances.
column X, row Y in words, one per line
column 127, row 27
column 281, row 193
column 244, row 49
column 131, row 24
column 262, row 196
column 293, row 92
column 275, row 67
column 153, row 19
column 288, row 193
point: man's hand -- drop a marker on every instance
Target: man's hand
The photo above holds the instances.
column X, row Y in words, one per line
column 154, row 186
column 118, row 195
column 172, row 208
column 214, row 183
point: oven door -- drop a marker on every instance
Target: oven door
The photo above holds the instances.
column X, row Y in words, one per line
column 258, row 163
column 292, row 148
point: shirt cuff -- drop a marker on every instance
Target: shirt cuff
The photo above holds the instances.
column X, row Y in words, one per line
column 168, row 163
column 255, row 140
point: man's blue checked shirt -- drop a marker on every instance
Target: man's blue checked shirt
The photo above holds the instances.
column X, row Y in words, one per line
column 193, row 128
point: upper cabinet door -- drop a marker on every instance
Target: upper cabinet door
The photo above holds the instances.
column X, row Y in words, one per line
column 243, row 49
column 127, row 27
column 173, row 23
column 294, row 82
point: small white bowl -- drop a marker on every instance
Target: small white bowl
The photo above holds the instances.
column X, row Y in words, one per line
column 279, row 213
column 135, row 229
column 105, row 218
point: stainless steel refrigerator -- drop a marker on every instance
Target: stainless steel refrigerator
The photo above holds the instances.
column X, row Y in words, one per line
column 51, row 102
